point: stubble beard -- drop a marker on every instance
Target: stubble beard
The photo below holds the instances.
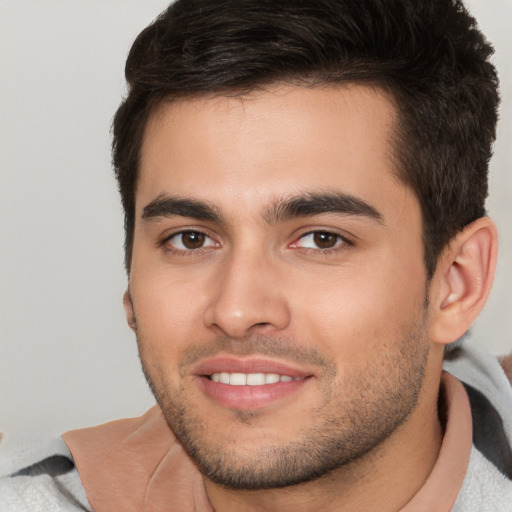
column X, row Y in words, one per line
column 355, row 417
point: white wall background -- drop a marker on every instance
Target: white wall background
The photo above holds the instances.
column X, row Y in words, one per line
column 67, row 358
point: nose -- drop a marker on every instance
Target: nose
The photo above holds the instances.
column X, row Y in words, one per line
column 247, row 296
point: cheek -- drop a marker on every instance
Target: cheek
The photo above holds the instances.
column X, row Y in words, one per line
column 364, row 308
column 168, row 312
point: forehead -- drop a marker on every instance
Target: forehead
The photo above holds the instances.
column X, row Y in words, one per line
column 278, row 142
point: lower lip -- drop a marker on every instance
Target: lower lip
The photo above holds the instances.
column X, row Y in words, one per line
column 249, row 397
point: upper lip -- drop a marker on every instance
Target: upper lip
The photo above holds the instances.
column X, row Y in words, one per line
column 247, row 365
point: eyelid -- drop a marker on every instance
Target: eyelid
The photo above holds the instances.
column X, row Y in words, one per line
column 165, row 240
column 344, row 239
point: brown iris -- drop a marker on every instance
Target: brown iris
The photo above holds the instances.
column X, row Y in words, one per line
column 325, row 240
column 193, row 239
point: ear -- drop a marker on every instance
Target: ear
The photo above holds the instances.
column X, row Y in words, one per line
column 463, row 280
column 128, row 309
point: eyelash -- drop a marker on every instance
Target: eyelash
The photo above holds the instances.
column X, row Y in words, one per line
column 165, row 243
column 342, row 242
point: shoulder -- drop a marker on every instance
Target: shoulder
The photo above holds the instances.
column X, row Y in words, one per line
column 485, row 489
column 485, row 378
column 39, row 476
column 488, row 482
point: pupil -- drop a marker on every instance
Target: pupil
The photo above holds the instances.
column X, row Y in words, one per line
column 193, row 240
column 325, row 240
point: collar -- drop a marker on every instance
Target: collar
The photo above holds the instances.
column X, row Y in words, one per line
column 445, row 481
column 136, row 464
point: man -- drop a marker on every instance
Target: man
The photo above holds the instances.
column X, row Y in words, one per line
column 304, row 185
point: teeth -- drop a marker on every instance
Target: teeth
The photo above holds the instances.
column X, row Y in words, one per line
column 250, row 379
column 271, row 378
column 238, row 379
column 255, row 379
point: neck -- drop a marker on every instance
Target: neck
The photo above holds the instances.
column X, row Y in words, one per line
column 385, row 479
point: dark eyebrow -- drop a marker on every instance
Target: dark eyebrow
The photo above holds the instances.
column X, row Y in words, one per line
column 303, row 205
column 310, row 204
column 169, row 206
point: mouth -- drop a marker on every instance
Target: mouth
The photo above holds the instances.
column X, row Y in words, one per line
column 245, row 384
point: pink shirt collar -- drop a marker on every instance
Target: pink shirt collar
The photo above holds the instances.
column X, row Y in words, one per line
column 445, row 481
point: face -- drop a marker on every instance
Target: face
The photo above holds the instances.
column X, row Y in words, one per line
column 277, row 285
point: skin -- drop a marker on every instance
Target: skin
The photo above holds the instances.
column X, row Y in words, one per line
column 353, row 318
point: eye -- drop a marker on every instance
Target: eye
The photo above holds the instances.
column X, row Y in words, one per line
column 190, row 241
column 320, row 240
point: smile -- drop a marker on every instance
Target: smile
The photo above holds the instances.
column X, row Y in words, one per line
column 250, row 379
column 252, row 382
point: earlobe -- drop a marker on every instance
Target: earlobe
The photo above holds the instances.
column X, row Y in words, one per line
column 128, row 309
column 463, row 280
